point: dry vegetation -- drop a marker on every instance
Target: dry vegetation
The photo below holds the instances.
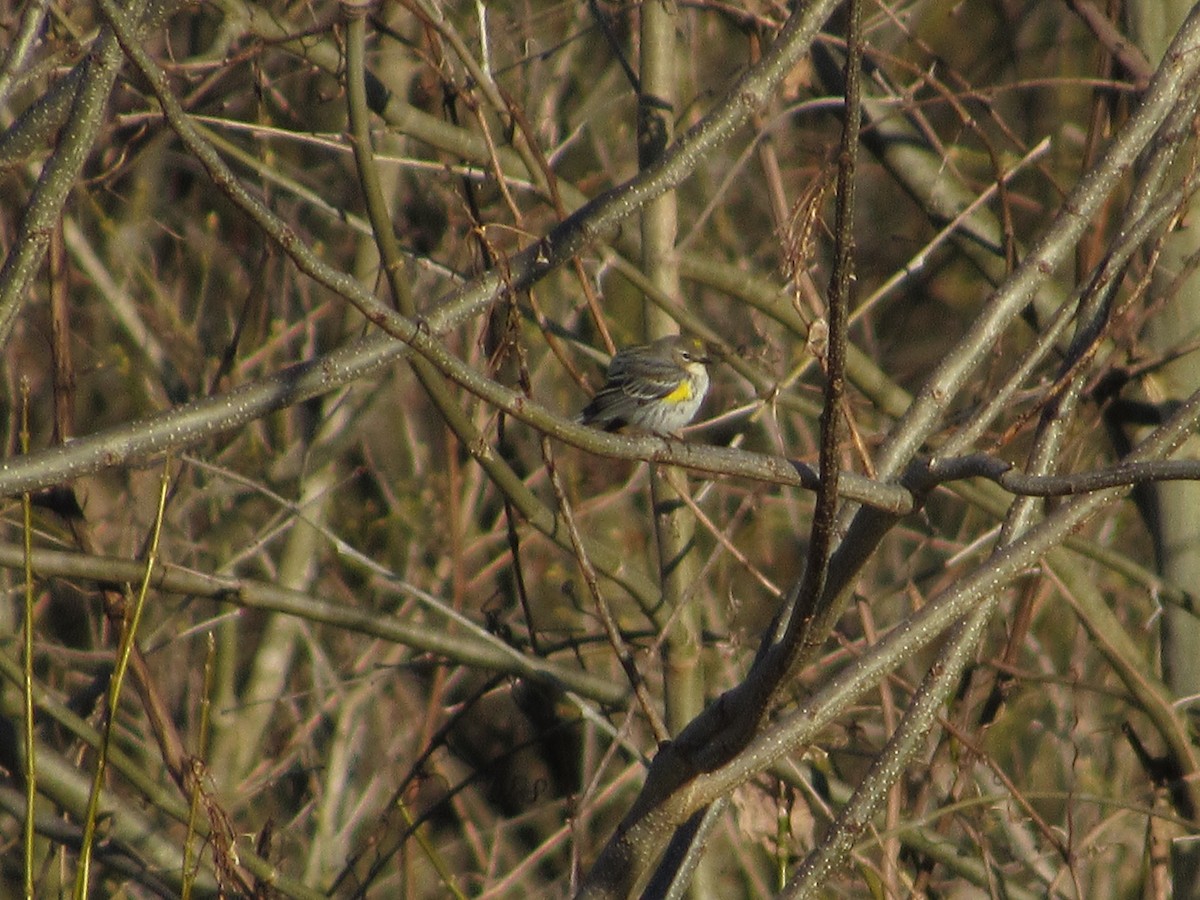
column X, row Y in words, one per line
column 407, row 630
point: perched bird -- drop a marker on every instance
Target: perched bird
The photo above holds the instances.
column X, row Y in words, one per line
column 656, row 387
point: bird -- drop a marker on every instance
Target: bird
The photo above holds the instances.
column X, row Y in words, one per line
column 656, row 387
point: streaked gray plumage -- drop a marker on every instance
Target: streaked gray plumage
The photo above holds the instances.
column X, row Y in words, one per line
column 656, row 387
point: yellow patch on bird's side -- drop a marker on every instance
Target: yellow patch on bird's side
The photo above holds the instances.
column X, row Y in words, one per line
column 681, row 393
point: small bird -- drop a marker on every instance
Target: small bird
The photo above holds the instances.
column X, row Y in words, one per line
column 656, row 387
